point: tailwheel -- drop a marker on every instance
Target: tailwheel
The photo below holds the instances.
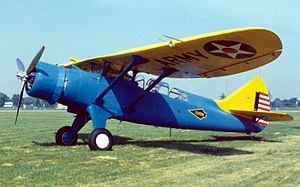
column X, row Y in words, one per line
column 62, row 138
column 100, row 139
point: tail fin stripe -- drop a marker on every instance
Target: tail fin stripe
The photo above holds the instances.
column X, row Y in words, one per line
column 263, row 108
column 264, row 94
column 263, row 123
column 264, row 104
column 263, row 97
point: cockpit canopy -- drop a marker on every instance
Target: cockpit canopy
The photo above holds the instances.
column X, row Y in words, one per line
column 164, row 88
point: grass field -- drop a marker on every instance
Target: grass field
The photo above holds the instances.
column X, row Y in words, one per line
column 145, row 155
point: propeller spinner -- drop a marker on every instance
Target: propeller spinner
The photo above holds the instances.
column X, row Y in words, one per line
column 26, row 76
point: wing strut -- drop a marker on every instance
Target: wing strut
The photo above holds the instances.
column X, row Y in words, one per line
column 136, row 60
column 167, row 71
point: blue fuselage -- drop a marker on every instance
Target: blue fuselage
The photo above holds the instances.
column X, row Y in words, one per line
column 78, row 89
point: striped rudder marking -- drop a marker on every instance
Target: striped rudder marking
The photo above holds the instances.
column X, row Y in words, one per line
column 262, row 104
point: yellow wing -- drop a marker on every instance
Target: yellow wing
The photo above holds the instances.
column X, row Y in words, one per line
column 208, row 55
column 268, row 116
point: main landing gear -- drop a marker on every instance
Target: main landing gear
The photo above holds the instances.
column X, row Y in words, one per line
column 100, row 139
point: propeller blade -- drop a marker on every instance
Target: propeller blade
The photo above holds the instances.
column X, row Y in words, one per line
column 20, row 65
column 20, row 101
column 35, row 60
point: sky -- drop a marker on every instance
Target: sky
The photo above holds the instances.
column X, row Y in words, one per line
column 88, row 28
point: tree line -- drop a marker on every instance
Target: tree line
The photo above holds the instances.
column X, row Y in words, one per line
column 285, row 103
column 28, row 101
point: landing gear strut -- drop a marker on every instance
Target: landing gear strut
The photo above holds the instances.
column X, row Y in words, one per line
column 100, row 139
column 69, row 135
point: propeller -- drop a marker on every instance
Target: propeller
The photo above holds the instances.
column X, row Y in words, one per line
column 26, row 75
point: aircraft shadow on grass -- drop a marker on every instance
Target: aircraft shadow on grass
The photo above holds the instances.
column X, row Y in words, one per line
column 181, row 145
column 238, row 138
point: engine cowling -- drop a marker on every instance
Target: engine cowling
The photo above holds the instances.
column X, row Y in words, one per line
column 46, row 82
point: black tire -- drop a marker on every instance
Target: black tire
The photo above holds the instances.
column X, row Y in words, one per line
column 100, row 140
column 59, row 137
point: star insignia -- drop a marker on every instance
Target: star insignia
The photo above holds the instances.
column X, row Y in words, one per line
column 229, row 49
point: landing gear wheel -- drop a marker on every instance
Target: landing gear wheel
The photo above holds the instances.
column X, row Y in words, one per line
column 59, row 137
column 100, row 139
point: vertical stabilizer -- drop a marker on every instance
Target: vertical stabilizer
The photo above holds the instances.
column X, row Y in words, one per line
column 245, row 97
column 252, row 96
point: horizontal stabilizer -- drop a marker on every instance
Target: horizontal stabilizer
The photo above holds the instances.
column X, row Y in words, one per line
column 268, row 116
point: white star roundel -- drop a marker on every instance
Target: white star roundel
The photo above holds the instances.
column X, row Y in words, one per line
column 229, row 49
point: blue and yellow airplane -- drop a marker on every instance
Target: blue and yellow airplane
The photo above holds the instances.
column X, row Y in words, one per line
column 109, row 86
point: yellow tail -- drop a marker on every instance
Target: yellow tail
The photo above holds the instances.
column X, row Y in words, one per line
column 245, row 97
column 252, row 101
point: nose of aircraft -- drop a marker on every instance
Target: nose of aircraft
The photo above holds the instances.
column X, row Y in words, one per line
column 41, row 80
column 46, row 82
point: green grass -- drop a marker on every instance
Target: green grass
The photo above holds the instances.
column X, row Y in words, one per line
column 145, row 155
